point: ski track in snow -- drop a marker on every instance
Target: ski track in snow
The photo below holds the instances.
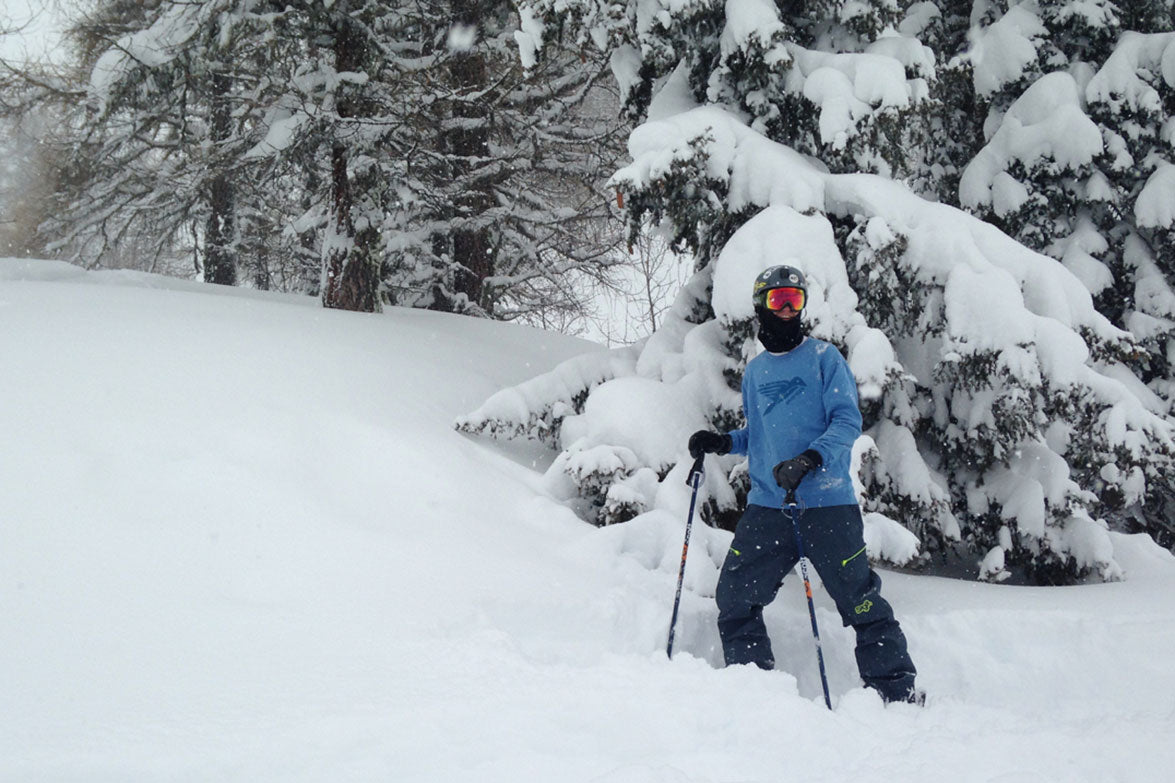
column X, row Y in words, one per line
column 240, row 541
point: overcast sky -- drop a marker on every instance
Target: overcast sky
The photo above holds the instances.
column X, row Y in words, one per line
column 35, row 24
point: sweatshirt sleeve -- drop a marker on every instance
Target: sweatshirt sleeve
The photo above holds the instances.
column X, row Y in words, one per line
column 840, row 404
column 738, row 438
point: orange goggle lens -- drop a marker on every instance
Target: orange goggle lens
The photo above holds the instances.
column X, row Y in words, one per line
column 778, row 297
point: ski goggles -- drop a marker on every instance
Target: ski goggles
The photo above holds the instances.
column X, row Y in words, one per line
column 776, row 298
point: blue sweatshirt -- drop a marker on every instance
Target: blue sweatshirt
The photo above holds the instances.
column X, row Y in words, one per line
column 795, row 401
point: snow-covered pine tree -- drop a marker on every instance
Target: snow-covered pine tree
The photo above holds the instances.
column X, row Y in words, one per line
column 393, row 152
column 502, row 200
column 985, row 373
column 147, row 155
column 1066, row 170
column 481, row 178
column 1132, row 97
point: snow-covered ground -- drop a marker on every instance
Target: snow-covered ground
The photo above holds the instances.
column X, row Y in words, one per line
column 241, row 541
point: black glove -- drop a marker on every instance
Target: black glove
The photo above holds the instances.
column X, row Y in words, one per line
column 706, row 442
column 789, row 473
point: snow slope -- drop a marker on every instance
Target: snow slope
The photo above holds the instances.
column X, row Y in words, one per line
column 240, row 541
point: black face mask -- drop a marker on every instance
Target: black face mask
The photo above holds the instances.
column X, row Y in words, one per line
column 776, row 334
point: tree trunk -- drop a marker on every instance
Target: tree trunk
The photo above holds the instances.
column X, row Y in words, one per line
column 351, row 253
column 220, row 252
column 468, row 143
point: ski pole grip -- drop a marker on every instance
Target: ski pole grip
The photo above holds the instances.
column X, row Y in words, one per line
column 790, row 500
column 696, row 470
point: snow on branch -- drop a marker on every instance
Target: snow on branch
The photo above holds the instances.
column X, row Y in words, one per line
column 536, row 408
column 1046, row 124
column 850, row 87
column 1155, row 206
column 1002, row 51
column 157, row 45
column 1120, row 79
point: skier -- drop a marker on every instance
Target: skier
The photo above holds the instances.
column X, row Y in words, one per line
column 800, row 403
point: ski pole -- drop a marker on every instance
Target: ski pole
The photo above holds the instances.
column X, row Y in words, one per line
column 695, row 480
column 791, row 504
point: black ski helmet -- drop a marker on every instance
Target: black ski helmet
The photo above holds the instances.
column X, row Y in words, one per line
column 782, row 276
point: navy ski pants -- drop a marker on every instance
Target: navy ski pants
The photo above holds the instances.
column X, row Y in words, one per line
column 764, row 552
